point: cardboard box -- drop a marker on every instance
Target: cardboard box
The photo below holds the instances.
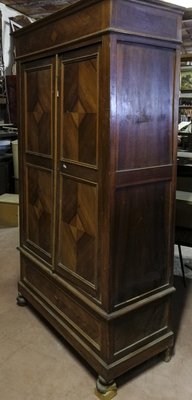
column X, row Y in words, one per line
column 9, row 210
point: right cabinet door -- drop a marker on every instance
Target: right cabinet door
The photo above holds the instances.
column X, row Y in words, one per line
column 77, row 244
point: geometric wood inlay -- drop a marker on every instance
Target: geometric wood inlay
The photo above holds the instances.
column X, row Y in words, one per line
column 80, row 111
column 78, row 228
column 39, row 108
column 39, row 216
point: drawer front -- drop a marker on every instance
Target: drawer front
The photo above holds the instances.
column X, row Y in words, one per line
column 74, row 315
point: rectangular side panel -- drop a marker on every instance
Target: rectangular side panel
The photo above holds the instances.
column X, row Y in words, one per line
column 79, row 114
column 146, row 19
column 77, row 254
column 38, row 108
column 140, row 327
column 79, row 320
column 39, row 209
column 145, row 81
column 141, row 240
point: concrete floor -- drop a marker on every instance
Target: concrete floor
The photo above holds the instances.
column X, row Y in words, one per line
column 35, row 363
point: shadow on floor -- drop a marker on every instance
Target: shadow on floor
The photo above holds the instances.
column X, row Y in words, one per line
column 178, row 302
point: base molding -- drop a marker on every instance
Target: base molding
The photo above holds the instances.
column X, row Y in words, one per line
column 109, row 371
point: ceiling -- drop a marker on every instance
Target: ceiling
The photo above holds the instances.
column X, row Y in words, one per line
column 187, row 32
column 37, row 8
column 41, row 8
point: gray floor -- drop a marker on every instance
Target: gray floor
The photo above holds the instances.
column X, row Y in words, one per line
column 36, row 364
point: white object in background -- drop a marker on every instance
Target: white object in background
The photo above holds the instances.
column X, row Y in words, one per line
column 182, row 3
column 184, row 154
column 15, row 158
column 183, row 124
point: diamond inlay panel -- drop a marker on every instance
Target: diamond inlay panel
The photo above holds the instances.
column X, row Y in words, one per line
column 39, row 104
column 39, row 215
column 79, row 133
column 78, row 228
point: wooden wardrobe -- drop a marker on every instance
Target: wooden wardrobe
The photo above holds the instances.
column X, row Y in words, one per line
column 98, row 96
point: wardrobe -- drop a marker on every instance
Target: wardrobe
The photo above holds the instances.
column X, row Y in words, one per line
column 98, row 87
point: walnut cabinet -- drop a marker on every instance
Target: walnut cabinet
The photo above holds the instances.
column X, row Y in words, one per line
column 98, row 95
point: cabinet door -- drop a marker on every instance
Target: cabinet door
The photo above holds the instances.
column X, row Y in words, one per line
column 37, row 137
column 77, row 247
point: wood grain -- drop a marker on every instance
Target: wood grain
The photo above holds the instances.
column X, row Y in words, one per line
column 99, row 86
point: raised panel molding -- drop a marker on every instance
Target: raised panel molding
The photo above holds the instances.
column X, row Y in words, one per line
column 77, row 246
column 79, row 122
column 140, row 257
column 39, row 108
column 144, row 117
column 39, row 209
column 145, row 20
column 137, row 328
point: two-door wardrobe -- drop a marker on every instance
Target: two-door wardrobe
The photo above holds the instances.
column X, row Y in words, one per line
column 98, row 90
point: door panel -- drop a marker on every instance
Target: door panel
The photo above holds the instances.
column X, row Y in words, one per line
column 38, row 86
column 77, row 216
column 78, row 229
column 79, row 122
column 39, row 210
column 37, row 206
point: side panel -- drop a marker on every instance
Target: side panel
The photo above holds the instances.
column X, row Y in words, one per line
column 142, row 246
column 144, row 105
column 144, row 182
column 141, row 253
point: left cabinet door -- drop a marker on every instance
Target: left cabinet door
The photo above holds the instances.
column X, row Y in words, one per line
column 38, row 103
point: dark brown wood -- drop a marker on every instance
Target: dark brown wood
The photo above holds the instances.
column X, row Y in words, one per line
column 78, row 21
column 79, row 122
column 37, row 147
column 98, row 122
column 136, row 122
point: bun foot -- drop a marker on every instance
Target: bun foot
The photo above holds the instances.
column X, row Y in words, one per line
column 21, row 301
column 168, row 354
column 105, row 390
